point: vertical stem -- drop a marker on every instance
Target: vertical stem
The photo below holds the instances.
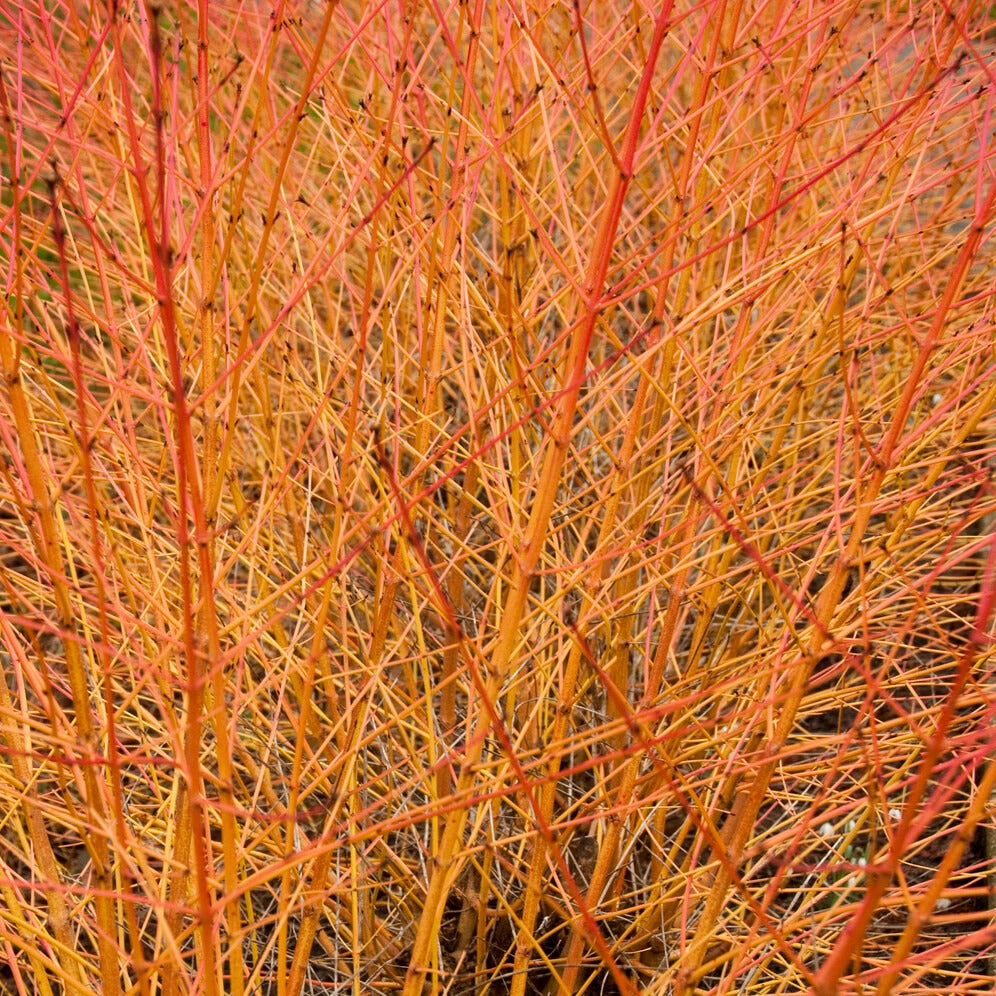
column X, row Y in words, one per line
column 46, row 544
column 445, row 867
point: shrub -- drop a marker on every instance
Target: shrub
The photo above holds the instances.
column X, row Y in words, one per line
column 498, row 498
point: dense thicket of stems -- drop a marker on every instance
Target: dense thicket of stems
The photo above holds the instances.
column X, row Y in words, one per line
column 497, row 497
